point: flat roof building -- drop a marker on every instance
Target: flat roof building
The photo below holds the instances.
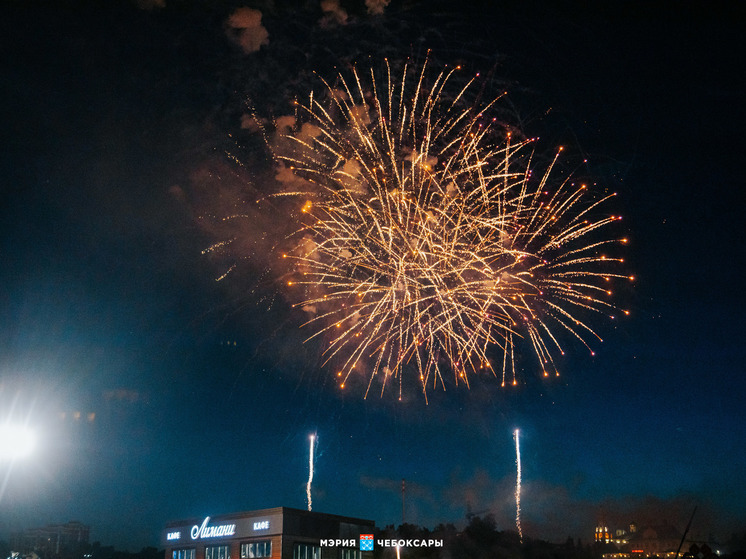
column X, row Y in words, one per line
column 276, row 533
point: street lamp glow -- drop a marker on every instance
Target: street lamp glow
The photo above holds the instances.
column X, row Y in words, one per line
column 16, row 441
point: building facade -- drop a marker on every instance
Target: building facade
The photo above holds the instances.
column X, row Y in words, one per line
column 649, row 541
column 277, row 533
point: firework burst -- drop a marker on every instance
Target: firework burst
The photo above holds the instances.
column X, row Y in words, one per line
column 427, row 243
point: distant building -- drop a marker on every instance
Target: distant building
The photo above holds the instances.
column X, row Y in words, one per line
column 602, row 533
column 649, row 541
column 53, row 541
column 277, row 533
column 663, row 541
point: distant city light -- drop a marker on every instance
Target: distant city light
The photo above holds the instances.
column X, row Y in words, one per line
column 16, row 441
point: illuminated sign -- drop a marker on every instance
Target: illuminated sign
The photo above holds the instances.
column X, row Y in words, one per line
column 263, row 525
column 217, row 531
column 173, row 536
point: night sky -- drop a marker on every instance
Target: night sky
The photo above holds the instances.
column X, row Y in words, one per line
column 160, row 393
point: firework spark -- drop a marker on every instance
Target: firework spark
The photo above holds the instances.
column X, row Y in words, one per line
column 312, row 439
column 517, row 437
column 427, row 242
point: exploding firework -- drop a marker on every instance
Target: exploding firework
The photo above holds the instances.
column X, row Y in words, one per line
column 427, row 243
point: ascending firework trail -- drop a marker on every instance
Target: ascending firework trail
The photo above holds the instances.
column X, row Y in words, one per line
column 517, row 437
column 312, row 439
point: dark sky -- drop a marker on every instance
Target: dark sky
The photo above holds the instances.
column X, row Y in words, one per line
column 121, row 128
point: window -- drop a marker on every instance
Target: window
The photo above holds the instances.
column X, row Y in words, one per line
column 351, row 553
column 306, row 551
column 183, row 554
column 217, row 552
column 256, row 549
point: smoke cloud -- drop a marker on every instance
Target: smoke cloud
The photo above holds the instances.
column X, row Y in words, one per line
column 245, row 29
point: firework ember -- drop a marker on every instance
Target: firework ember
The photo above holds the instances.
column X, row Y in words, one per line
column 427, row 245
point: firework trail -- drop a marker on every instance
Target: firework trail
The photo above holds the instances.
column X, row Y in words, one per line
column 312, row 439
column 516, row 436
column 426, row 241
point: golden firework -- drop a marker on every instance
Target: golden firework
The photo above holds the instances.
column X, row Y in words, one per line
column 426, row 241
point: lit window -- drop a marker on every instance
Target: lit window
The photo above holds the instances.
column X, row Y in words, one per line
column 183, row 554
column 256, row 549
column 306, row 551
column 217, row 552
column 351, row 553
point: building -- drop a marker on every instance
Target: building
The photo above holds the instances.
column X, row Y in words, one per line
column 52, row 540
column 622, row 536
column 661, row 541
column 602, row 534
column 277, row 533
column 649, row 541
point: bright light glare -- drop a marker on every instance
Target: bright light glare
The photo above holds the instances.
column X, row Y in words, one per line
column 16, row 441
